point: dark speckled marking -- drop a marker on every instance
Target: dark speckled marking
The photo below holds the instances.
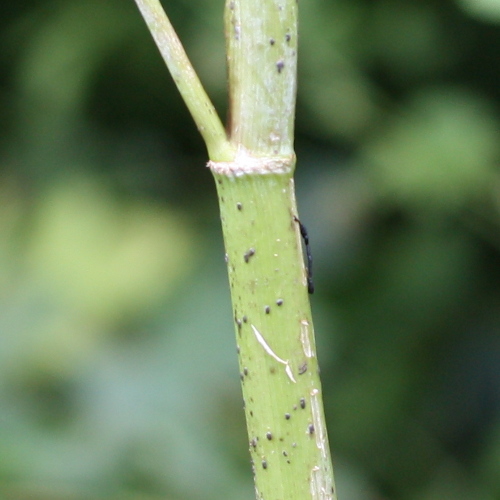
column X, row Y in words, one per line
column 248, row 254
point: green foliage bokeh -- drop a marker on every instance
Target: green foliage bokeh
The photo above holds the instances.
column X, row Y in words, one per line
column 118, row 373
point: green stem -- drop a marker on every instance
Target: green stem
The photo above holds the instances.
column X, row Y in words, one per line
column 261, row 39
column 275, row 338
column 187, row 81
column 274, row 331
column 254, row 177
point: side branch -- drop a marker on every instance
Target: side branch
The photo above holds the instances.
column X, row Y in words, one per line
column 188, row 83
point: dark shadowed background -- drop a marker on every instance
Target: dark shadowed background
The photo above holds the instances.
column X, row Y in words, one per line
column 118, row 372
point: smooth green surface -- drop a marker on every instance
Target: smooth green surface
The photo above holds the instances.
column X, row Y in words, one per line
column 275, row 338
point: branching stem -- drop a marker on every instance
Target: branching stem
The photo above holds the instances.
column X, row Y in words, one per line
column 253, row 170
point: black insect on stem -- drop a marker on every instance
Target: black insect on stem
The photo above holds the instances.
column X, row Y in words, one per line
column 305, row 237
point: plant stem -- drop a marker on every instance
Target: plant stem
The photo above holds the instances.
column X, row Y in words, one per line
column 261, row 39
column 275, row 337
column 187, row 81
column 254, row 177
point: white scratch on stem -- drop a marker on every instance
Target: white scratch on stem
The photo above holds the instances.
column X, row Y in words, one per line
column 320, row 486
column 305, row 338
column 262, row 341
column 321, row 441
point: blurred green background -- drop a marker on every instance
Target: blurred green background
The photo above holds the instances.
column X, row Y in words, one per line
column 118, row 372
